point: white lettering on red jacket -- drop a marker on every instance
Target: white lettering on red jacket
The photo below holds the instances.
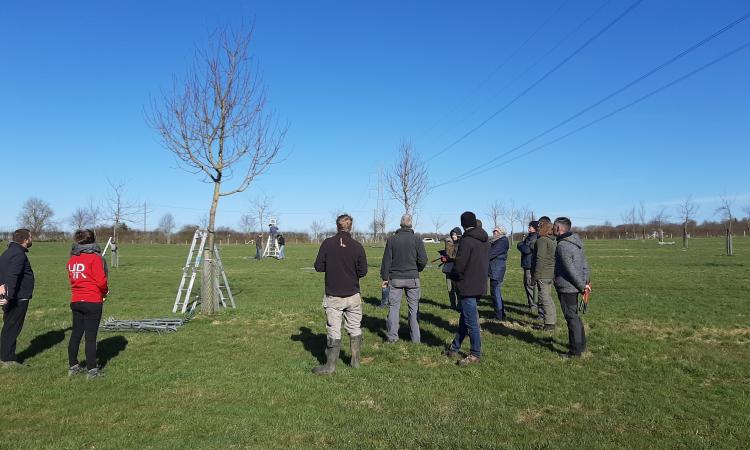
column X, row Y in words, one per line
column 88, row 283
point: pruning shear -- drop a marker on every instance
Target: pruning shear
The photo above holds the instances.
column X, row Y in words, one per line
column 583, row 303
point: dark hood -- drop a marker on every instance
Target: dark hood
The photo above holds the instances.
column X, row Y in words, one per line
column 572, row 238
column 476, row 233
column 456, row 230
column 77, row 249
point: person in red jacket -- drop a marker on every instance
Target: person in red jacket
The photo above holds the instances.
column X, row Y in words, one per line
column 87, row 272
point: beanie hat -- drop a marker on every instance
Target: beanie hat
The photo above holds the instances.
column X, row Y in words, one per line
column 468, row 220
column 534, row 224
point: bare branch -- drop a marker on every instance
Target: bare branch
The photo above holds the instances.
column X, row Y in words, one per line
column 407, row 182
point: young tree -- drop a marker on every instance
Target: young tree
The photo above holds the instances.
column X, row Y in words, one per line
column 167, row 225
column 316, row 228
column 217, row 122
column 262, row 209
column 725, row 212
column 120, row 212
column 687, row 210
column 407, row 181
column 36, row 215
column 438, row 223
column 642, row 218
column 247, row 223
column 628, row 217
column 94, row 213
column 496, row 213
column 659, row 217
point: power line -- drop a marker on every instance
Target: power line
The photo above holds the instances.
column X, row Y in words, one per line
column 498, row 67
column 606, row 116
column 680, row 55
column 542, row 78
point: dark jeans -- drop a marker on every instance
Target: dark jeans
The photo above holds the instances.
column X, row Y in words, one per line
column 468, row 325
column 86, row 318
column 497, row 298
column 576, row 333
column 13, row 317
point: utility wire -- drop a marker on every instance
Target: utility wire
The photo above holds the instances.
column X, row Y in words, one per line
column 637, row 80
column 542, row 78
column 498, row 67
column 604, row 117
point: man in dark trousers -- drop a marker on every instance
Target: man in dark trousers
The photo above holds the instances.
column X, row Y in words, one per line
column 526, row 247
column 344, row 262
column 571, row 278
column 470, row 269
column 18, row 278
column 403, row 258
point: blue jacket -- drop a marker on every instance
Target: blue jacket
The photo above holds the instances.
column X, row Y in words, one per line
column 527, row 250
column 498, row 256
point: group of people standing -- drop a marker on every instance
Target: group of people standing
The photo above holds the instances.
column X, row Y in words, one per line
column 551, row 255
column 87, row 273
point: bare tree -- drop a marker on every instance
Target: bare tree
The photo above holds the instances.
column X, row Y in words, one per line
column 316, row 228
column 407, row 182
column 629, row 218
column 513, row 215
column 747, row 217
column 146, row 212
column 79, row 219
column 217, row 123
column 36, row 215
column 119, row 211
column 247, row 223
column 94, row 213
column 496, row 213
column 642, row 218
column 262, row 209
column 438, row 223
column 725, row 212
column 687, row 209
column 660, row 216
column 167, row 225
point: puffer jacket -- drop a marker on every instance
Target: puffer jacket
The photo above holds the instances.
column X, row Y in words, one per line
column 571, row 267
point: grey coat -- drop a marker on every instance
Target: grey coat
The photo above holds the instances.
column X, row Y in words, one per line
column 571, row 267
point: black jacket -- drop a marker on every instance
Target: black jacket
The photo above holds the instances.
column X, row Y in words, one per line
column 404, row 256
column 344, row 262
column 16, row 273
column 472, row 260
column 527, row 250
column 281, row 240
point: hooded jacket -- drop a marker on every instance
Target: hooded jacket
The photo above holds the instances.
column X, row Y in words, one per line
column 526, row 247
column 571, row 267
column 16, row 273
column 404, row 256
column 544, row 258
column 470, row 266
column 87, row 273
column 498, row 256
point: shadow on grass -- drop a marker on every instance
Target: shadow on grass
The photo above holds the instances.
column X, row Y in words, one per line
column 41, row 343
column 547, row 341
column 372, row 301
column 109, row 348
column 376, row 325
column 315, row 343
column 428, row 301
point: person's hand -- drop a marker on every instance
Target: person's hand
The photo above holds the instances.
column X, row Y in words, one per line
column 384, row 285
column 3, row 301
column 2, row 290
column 587, row 292
column 443, row 259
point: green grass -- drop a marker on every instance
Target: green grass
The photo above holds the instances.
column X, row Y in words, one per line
column 669, row 334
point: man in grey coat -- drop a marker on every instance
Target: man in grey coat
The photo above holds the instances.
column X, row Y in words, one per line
column 571, row 278
column 404, row 257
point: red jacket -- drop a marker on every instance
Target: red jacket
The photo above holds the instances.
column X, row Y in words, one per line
column 88, row 282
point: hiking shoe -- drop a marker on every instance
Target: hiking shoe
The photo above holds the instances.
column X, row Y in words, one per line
column 94, row 373
column 549, row 328
column 75, row 370
column 471, row 359
column 13, row 364
column 450, row 353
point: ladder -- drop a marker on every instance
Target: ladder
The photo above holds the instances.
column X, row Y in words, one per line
column 106, row 247
column 190, row 271
column 272, row 248
column 223, row 287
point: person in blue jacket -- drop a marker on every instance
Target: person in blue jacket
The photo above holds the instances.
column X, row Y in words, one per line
column 498, row 255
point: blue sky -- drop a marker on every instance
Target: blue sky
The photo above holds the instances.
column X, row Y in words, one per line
column 354, row 78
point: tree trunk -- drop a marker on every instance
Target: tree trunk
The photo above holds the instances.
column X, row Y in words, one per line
column 730, row 249
column 685, row 238
column 209, row 300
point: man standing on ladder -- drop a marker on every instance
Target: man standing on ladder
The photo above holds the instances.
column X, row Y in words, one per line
column 344, row 262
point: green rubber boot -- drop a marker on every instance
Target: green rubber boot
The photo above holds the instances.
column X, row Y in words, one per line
column 333, row 347
column 356, row 344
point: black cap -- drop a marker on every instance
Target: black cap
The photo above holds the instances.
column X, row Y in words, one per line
column 468, row 220
column 534, row 224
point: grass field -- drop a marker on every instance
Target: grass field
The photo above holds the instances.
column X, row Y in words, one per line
column 669, row 336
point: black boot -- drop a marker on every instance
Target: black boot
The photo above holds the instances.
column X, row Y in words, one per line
column 333, row 347
column 356, row 343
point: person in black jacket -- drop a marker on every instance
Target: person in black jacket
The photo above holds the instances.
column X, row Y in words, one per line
column 18, row 278
column 526, row 247
column 403, row 258
column 470, row 271
column 344, row 262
